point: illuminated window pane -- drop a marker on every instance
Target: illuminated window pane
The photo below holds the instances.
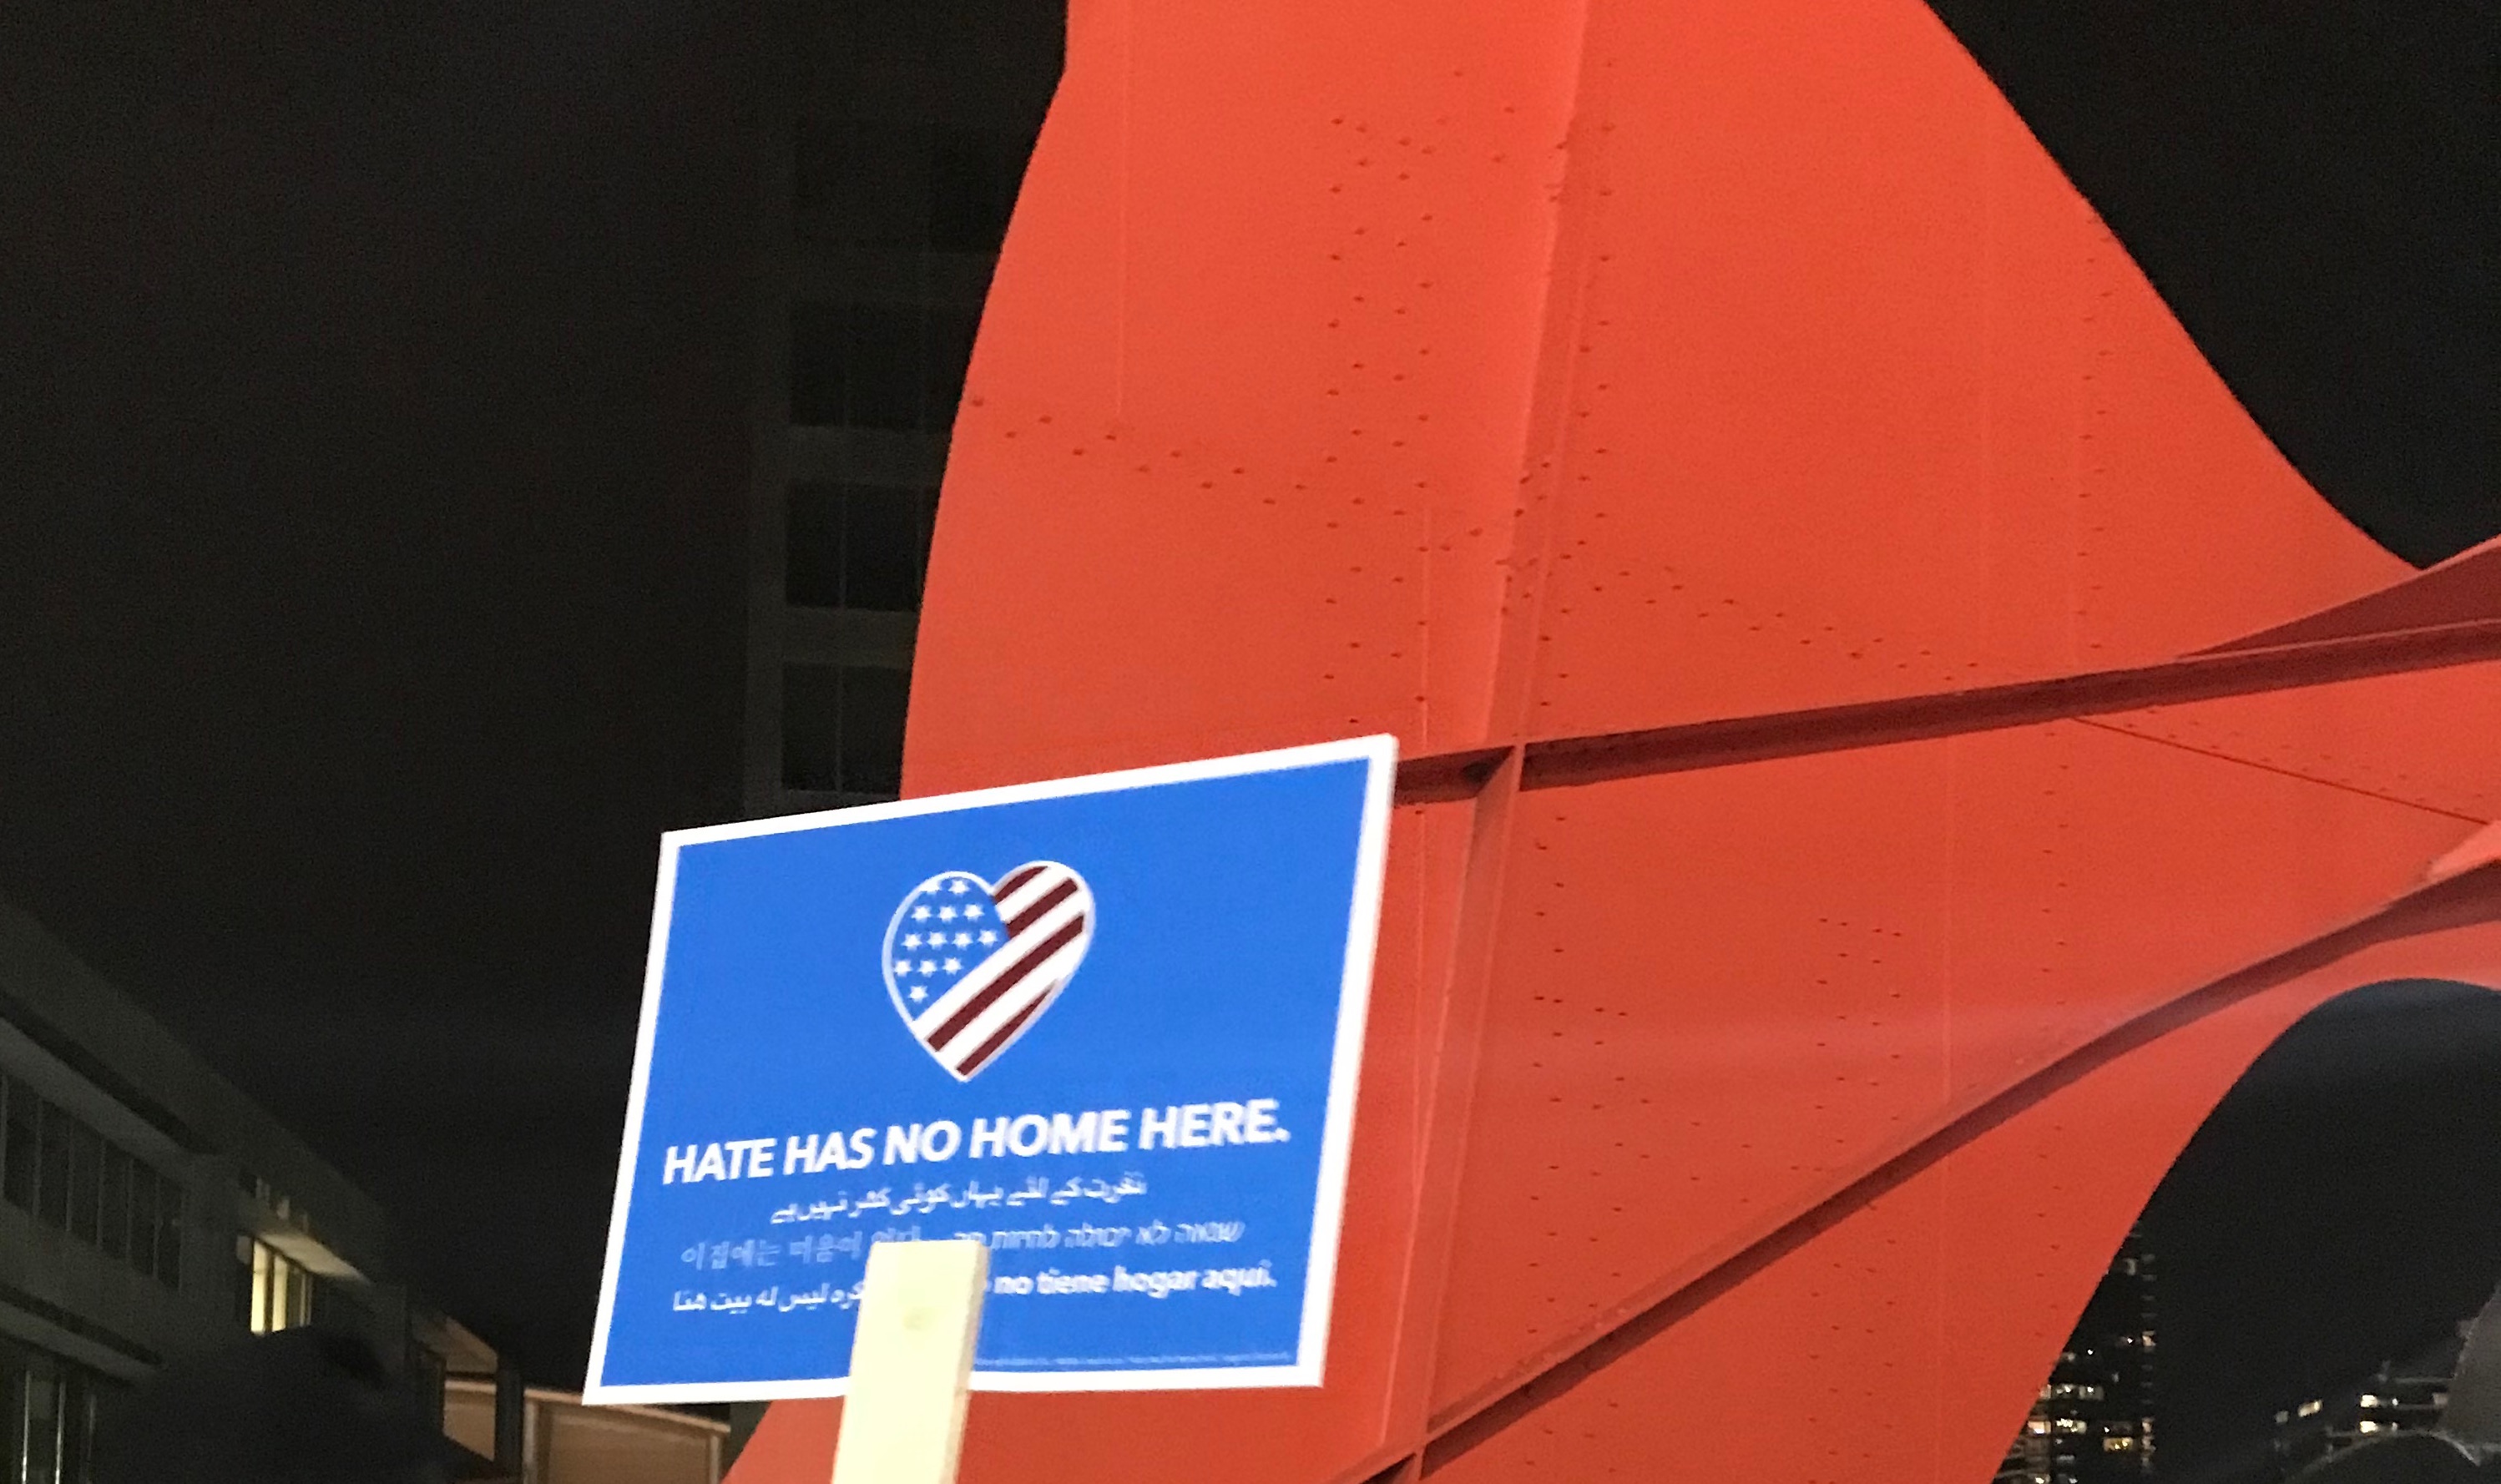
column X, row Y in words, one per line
column 263, row 1282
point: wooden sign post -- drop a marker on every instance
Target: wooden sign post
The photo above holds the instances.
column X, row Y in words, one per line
column 903, row 1416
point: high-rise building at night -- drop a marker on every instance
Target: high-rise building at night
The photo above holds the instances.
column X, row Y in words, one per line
column 2094, row 1421
column 895, row 135
column 2402, row 1395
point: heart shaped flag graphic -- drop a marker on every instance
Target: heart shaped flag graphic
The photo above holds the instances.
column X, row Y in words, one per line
column 971, row 966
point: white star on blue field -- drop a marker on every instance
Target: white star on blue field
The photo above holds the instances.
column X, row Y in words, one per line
column 948, row 935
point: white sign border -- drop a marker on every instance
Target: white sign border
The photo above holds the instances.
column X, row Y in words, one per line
column 1337, row 1135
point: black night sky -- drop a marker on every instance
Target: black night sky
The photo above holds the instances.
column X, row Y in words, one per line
column 2335, row 1212
column 373, row 390
column 372, row 427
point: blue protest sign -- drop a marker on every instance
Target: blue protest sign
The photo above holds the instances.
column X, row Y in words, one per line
column 1109, row 1026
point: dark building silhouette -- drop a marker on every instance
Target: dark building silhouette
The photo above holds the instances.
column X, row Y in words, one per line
column 154, row 1219
column 152, row 1214
column 2402, row 1395
column 896, row 138
column 2094, row 1422
column 2436, row 1412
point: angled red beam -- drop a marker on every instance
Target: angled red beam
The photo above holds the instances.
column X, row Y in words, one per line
column 2469, row 895
column 1572, row 761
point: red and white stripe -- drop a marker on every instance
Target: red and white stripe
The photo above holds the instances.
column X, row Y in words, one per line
column 1048, row 915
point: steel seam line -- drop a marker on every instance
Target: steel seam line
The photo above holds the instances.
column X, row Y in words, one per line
column 1568, row 762
column 1460, row 776
column 1546, row 435
column 2151, row 740
column 1468, row 981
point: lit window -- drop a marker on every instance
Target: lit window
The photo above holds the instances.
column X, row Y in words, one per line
column 274, row 1293
column 2308, row 1409
column 2367, row 1427
column 2369, row 1400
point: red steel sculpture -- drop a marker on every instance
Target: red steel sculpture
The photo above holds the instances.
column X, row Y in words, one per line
column 1891, row 740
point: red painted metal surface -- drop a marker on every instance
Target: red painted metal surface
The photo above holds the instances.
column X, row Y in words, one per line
column 1788, row 535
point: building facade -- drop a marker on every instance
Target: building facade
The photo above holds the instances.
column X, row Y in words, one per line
column 895, row 137
column 562, row 1442
column 2405, row 1395
column 2094, row 1421
column 149, row 1211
